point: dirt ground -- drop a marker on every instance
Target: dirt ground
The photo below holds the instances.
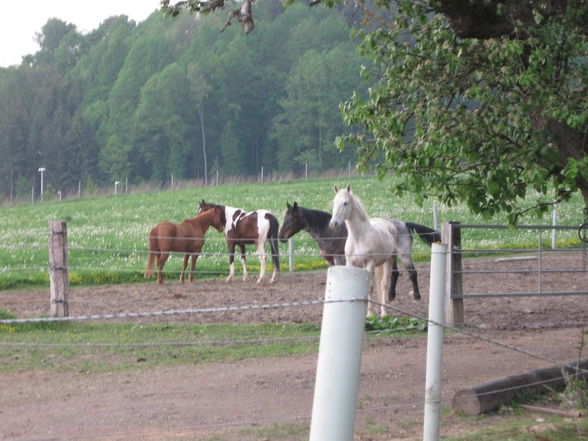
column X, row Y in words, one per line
column 243, row 400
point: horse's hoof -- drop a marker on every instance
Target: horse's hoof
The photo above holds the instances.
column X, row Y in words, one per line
column 228, row 279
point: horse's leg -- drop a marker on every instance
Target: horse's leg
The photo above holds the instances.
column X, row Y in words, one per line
column 386, row 286
column 160, row 264
column 262, row 260
column 186, row 257
column 243, row 261
column 412, row 274
column 231, row 246
column 393, row 279
column 193, row 266
column 375, row 287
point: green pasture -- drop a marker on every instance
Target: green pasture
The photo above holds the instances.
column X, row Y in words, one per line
column 107, row 236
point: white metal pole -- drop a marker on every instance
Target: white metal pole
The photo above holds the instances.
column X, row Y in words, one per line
column 339, row 359
column 435, row 216
column 42, row 170
column 554, row 231
column 435, row 344
column 291, row 254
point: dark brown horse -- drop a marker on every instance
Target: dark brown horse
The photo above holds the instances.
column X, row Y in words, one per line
column 331, row 241
column 186, row 237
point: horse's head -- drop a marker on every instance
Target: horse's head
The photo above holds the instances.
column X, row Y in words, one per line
column 343, row 204
column 293, row 222
column 203, row 206
column 219, row 214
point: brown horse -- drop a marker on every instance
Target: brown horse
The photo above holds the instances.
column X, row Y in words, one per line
column 186, row 237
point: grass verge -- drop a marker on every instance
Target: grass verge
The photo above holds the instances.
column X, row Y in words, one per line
column 101, row 347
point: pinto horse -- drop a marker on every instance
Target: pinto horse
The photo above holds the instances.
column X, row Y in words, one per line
column 242, row 228
column 331, row 241
column 186, row 237
column 374, row 244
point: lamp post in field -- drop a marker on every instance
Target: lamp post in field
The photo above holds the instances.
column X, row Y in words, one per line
column 41, row 170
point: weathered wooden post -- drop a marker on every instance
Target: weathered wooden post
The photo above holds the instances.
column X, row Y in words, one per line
column 451, row 236
column 58, row 276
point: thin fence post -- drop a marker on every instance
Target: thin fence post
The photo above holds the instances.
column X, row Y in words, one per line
column 451, row 236
column 554, row 231
column 291, row 254
column 58, row 274
column 339, row 359
column 434, row 370
column 435, row 216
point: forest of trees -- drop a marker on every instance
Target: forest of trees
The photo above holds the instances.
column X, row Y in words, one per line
column 173, row 96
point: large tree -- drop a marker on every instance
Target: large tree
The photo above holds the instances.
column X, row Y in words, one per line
column 475, row 101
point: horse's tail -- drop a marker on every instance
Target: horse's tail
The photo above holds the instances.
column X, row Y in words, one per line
column 272, row 236
column 152, row 256
column 427, row 234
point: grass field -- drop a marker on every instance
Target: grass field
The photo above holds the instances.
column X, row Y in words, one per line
column 107, row 236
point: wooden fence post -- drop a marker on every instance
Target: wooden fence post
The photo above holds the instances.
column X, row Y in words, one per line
column 58, row 275
column 451, row 236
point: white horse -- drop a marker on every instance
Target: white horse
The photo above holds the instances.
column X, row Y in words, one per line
column 374, row 244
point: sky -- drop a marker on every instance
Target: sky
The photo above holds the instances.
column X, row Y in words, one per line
column 21, row 20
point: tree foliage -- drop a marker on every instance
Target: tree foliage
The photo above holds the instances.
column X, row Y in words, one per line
column 478, row 103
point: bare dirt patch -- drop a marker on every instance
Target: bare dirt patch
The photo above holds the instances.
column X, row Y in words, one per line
column 238, row 400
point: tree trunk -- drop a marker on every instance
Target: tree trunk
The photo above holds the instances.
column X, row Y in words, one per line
column 201, row 114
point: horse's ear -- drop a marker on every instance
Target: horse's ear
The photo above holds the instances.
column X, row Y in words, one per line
column 349, row 188
column 335, row 188
column 295, row 204
column 288, row 205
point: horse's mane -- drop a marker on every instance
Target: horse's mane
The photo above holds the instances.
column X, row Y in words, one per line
column 359, row 206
